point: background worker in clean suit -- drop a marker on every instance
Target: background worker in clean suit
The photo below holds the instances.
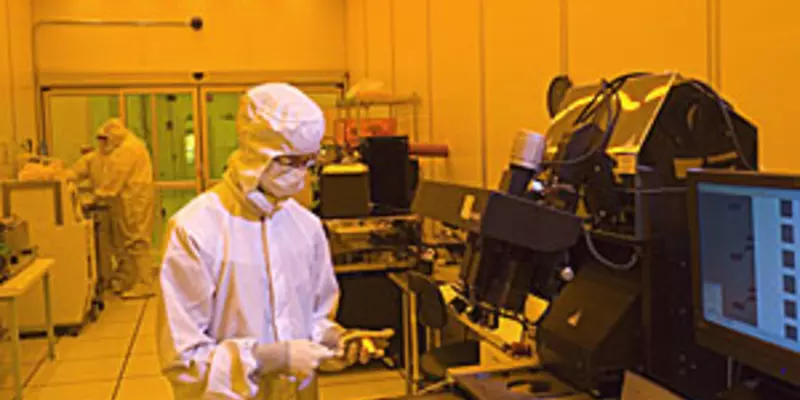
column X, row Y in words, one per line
column 121, row 175
column 247, row 286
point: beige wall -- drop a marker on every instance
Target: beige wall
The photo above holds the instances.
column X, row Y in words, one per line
column 483, row 66
column 16, row 80
column 239, row 35
column 759, row 58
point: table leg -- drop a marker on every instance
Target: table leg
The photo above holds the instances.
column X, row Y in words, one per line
column 48, row 317
column 407, row 345
column 429, row 344
column 16, row 349
column 412, row 316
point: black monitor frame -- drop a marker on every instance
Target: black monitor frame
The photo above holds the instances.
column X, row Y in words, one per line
column 768, row 358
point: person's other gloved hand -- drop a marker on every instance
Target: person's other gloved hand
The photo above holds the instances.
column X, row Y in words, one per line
column 296, row 357
column 363, row 346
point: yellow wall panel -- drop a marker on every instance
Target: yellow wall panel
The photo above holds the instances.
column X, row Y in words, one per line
column 6, row 79
column 356, row 40
column 455, row 71
column 296, row 34
column 23, row 91
column 271, row 35
column 411, row 74
column 379, row 40
column 759, row 64
column 411, row 55
column 612, row 37
column 522, row 55
column 16, row 81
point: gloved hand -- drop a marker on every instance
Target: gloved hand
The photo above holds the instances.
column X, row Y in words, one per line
column 299, row 358
column 363, row 346
column 103, row 194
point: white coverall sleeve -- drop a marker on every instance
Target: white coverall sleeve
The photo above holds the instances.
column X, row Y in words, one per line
column 80, row 170
column 326, row 293
column 197, row 365
column 123, row 164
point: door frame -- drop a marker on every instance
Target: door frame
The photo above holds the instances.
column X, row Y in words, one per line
column 200, row 108
column 198, row 182
column 121, row 93
column 48, row 114
column 205, row 90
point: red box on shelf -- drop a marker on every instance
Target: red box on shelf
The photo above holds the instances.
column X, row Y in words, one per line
column 351, row 131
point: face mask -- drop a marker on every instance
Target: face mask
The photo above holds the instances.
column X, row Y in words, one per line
column 104, row 146
column 281, row 181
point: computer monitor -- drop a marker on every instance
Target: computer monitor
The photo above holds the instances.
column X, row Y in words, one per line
column 745, row 234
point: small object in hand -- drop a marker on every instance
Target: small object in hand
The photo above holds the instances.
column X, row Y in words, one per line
column 362, row 346
column 519, row 349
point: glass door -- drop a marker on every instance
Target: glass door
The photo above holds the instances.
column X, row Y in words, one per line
column 164, row 119
column 219, row 107
column 73, row 117
column 189, row 131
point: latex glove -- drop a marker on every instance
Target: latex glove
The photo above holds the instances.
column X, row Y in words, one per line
column 68, row 175
column 299, row 358
column 362, row 346
column 103, row 194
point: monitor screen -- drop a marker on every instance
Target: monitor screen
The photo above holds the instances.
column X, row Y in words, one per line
column 749, row 239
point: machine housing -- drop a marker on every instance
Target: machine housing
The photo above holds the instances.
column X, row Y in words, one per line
column 618, row 154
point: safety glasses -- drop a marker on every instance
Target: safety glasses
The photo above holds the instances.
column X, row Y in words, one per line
column 296, row 160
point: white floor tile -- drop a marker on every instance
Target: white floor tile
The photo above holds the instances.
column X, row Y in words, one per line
column 144, row 345
column 86, row 349
column 108, row 330
column 348, row 377
column 121, row 314
column 152, row 308
column 78, row 371
column 148, row 325
column 144, row 388
column 83, row 391
column 140, row 366
column 33, row 351
column 7, row 375
column 115, row 303
column 368, row 390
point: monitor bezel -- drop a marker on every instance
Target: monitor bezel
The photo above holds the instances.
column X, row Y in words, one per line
column 768, row 358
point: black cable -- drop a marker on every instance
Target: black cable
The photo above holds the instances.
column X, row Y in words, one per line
column 612, row 88
column 522, row 320
column 660, row 190
column 612, row 121
column 726, row 116
column 589, row 109
column 608, row 263
column 608, row 90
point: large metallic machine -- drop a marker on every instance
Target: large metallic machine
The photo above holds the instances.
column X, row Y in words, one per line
column 16, row 250
column 59, row 231
column 598, row 225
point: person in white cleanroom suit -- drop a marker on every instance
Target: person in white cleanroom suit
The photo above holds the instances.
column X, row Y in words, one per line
column 247, row 287
column 121, row 175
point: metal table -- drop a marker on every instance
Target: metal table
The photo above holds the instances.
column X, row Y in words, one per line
column 410, row 334
column 10, row 291
column 411, row 338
